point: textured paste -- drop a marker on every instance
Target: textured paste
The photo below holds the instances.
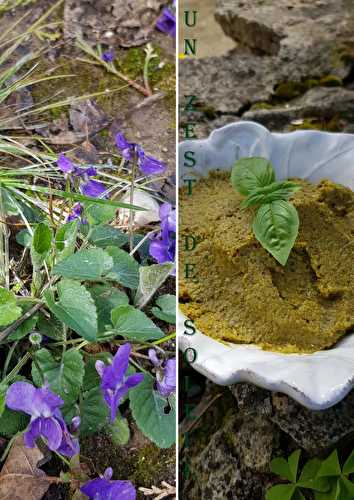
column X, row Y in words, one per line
column 241, row 294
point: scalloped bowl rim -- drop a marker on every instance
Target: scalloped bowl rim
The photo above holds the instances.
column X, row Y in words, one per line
column 318, row 380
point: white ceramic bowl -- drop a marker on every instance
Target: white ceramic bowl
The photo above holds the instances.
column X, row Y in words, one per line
column 317, row 380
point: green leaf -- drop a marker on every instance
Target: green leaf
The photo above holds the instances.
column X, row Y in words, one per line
column 9, row 312
column 281, row 492
column 105, row 235
column 92, row 378
column 119, row 431
column 24, row 238
column 12, row 422
column 150, row 280
column 91, row 264
column 125, row 268
column 106, row 298
column 293, row 462
column 276, row 227
column 64, row 377
column 249, row 174
column 3, row 390
column 308, row 478
column 75, row 308
column 24, row 329
column 99, row 214
column 166, row 308
column 332, row 492
column 347, row 489
column 65, row 240
column 348, row 467
column 276, row 191
column 41, row 244
column 51, row 328
column 94, row 412
column 134, row 324
column 148, row 409
column 281, row 467
column 330, row 466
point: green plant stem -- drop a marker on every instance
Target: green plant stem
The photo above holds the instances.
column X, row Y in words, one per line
column 17, row 368
column 5, row 333
column 131, row 200
column 134, row 363
column 165, row 339
column 8, row 358
column 4, row 246
column 66, row 462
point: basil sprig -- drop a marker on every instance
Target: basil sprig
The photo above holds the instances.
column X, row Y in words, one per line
column 276, row 223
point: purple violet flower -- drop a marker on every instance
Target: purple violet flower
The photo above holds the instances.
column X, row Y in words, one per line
column 163, row 245
column 114, row 382
column 88, row 187
column 65, row 165
column 165, row 374
column 167, row 22
column 92, row 188
column 149, row 165
column 76, row 213
column 126, row 148
column 108, row 56
column 46, row 419
column 103, row 488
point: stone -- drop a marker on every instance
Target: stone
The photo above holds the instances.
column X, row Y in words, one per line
column 321, row 103
column 281, row 48
column 120, row 22
column 316, row 432
column 220, row 472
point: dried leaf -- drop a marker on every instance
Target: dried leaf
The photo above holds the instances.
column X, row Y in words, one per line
column 165, row 491
column 20, row 478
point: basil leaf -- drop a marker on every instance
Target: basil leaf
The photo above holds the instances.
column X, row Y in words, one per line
column 276, row 227
column 275, row 191
column 249, row 174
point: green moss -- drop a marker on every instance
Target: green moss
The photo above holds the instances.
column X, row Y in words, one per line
column 332, row 124
column 131, row 62
column 289, row 90
column 261, row 105
column 331, row 81
column 310, row 83
column 143, row 466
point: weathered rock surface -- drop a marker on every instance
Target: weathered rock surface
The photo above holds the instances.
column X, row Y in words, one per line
column 319, row 103
column 233, row 462
column 126, row 23
column 284, row 50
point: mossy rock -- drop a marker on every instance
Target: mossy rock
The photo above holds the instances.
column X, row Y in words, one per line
column 261, row 105
column 289, row 90
column 331, row 81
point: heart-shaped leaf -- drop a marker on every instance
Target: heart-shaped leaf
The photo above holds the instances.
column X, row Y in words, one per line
column 125, row 268
column 94, row 413
column 65, row 240
column 151, row 415
column 75, row 308
column 41, row 244
column 9, row 312
column 330, row 466
column 249, row 174
column 65, row 377
column 166, row 308
column 134, row 324
column 281, row 492
column 91, row 264
column 105, row 236
column 276, row 227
